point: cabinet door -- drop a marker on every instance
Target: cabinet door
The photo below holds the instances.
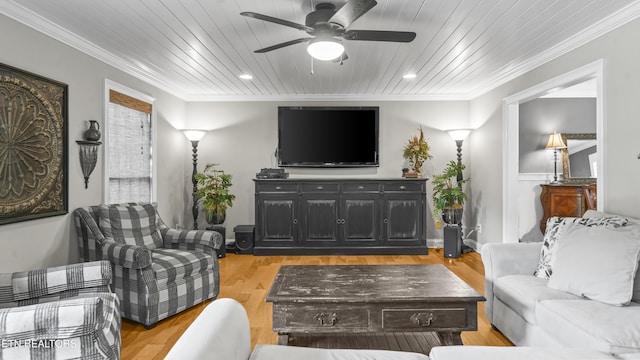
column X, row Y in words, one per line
column 320, row 221
column 360, row 219
column 277, row 222
column 402, row 219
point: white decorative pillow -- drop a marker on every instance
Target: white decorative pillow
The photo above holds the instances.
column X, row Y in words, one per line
column 599, row 263
column 555, row 227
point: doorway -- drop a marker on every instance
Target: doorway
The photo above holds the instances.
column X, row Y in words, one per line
column 511, row 116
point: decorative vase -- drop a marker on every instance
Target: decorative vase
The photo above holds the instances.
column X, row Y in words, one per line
column 214, row 218
column 452, row 216
column 93, row 132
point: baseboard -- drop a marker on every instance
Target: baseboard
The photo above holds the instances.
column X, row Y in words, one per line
column 439, row 244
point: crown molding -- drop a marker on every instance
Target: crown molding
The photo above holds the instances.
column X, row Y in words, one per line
column 506, row 74
column 502, row 76
column 328, row 97
column 35, row 21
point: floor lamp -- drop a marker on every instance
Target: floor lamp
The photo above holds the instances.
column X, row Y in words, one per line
column 555, row 143
column 458, row 135
column 194, row 135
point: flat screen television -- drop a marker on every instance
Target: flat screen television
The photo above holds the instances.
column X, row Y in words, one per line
column 328, row 136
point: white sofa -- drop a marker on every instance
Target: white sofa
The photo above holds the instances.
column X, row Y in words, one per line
column 529, row 313
column 222, row 331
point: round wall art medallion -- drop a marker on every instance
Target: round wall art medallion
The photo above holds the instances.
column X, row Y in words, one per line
column 32, row 146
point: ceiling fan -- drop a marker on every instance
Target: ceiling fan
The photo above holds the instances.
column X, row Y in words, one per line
column 327, row 24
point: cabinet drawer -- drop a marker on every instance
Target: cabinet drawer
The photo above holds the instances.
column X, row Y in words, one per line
column 361, row 187
column 315, row 188
column 424, row 318
column 327, row 318
column 277, row 187
column 403, row 186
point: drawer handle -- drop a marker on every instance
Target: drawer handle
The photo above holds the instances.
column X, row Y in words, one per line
column 278, row 187
column 360, row 187
column 340, row 221
column 422, row 319
column 320, row 187
column 326, row 319
column 402, row 187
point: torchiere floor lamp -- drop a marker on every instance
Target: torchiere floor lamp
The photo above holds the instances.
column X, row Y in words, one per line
column 194, row 135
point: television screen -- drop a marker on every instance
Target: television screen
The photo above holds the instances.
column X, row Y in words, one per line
column 328, row 136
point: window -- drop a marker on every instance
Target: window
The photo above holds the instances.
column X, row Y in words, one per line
column 129, row 147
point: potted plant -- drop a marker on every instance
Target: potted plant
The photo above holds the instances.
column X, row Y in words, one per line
column 213, row 192
column 448, row 198
column 416, row 151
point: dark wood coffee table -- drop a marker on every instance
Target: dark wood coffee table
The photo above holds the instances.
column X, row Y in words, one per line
column 391, row 307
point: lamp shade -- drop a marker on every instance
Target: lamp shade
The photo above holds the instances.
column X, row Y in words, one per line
column 555, row 142
column 459, row 134
column 325, row 49
column 194, row 134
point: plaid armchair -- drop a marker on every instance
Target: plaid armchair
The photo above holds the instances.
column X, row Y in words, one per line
column 64, row 312
column 158, row 271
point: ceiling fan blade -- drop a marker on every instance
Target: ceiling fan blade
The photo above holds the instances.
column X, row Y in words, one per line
column 379, row 35
column 281, row 45
column 276, row 20
column 351, row 11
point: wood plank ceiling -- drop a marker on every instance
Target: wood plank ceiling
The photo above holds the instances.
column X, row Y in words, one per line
column 196, row 49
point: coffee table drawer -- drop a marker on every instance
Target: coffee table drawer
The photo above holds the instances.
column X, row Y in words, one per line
column 424, row 318
column 326, row 318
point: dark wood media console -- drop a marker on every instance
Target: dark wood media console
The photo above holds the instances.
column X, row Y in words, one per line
column 340, row 216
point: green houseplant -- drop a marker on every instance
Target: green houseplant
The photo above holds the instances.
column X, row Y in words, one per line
column 213, row 192
column 416, row 151
column 448, row 198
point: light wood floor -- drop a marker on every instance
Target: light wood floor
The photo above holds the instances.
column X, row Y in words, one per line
column 247, row 279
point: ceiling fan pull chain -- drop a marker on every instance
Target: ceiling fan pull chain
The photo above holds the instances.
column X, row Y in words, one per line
column 311, row 57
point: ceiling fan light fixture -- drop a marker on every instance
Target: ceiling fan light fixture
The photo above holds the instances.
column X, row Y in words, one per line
column 325, row 49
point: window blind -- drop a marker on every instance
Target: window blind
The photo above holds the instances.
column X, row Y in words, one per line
column 129, row 149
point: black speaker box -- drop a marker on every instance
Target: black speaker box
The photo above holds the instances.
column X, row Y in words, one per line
column 452, row 241
column 244, row 239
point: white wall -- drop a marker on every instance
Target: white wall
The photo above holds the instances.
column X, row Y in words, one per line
column 52, row 241
column 621, row 127
column 245, row 137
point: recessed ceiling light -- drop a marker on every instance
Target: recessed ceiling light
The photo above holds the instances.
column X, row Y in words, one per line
column 409, row 76
column 245, row 77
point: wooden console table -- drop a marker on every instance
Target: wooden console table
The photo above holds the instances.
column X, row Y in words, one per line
column 387, row 307
column 340, row 216
column 561, row 200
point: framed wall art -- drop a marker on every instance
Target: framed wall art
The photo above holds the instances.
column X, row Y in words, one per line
column 33, row 146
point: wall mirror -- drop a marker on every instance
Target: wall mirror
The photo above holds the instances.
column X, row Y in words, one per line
column 579, row 163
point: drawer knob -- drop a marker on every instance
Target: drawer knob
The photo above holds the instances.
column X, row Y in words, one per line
column 326, row 319
column 402, row 187
column 422, row 319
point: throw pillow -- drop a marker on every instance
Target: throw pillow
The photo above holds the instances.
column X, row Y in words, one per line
column 599, row 263
column 555, row 227
column 131, row 224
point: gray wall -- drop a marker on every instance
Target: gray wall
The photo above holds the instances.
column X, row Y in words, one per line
column 621, row 108
column 52, row 241
column 245, row 137
column 541, row 117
